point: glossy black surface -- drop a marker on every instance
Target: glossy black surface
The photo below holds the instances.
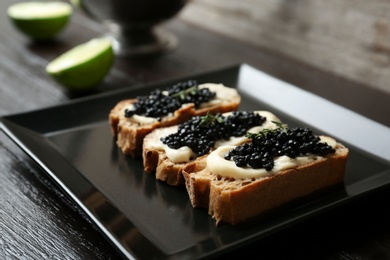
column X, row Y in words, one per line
column 144, row 217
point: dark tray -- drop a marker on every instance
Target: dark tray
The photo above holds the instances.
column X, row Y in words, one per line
column 148, row 219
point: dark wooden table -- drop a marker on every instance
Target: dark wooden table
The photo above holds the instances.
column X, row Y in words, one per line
column 37, row 221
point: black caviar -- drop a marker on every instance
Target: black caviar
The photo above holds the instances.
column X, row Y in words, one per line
column 200, row 133
column 160, row 103
column 272, row 143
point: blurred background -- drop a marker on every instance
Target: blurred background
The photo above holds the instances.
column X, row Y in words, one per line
column 344, row 37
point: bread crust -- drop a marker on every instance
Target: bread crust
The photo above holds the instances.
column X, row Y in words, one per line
column 130, row 134
column 233, row 201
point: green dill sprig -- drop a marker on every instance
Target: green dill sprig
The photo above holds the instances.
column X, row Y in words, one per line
column 185, row 92
column 210, row 119
column 263, row 132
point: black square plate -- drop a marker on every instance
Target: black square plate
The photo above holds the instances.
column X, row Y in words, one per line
column 148, row 219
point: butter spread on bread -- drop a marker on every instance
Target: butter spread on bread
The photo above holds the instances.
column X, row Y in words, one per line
column 222, row 93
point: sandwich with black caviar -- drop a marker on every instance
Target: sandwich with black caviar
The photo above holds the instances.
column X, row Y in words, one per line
column 237, row 183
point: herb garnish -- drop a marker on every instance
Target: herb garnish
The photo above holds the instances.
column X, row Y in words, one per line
column 210, row 119
column 262, row 133
column 185, row 92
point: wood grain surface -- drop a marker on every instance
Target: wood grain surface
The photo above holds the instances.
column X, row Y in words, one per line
column 345, row 37
column 37, row 221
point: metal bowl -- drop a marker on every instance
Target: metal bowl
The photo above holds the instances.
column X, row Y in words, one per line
column 134, row 24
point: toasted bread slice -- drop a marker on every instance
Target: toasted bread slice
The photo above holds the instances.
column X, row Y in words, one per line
column 168, row 167
column 130, row 131
column 233, row 200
